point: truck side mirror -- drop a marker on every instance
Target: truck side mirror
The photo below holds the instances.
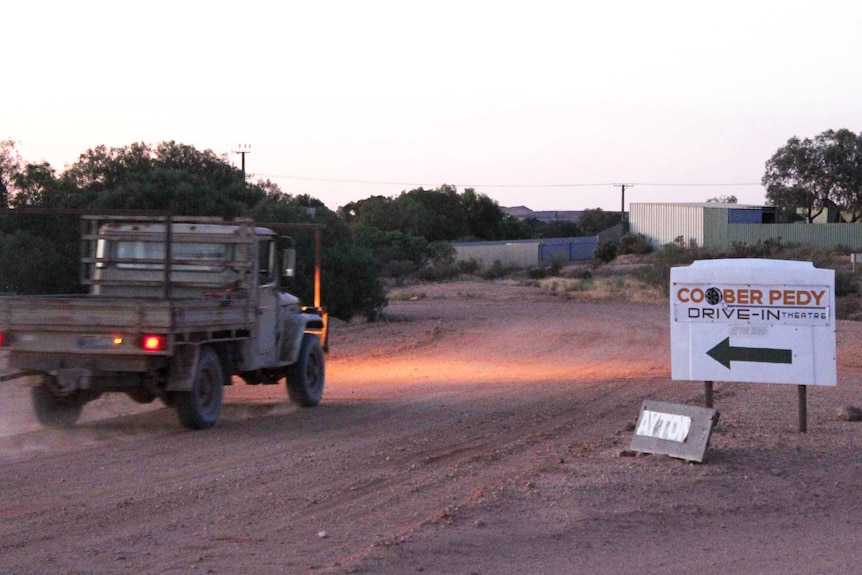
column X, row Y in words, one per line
column 288, row 262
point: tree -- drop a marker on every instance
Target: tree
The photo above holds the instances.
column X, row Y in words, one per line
column 484, row 215
column 171, row 176
column 562, row 229
column 723, row 200
column 808, row 176
column 841, row 157
column 593, row 221
column 10, row 162
column 38, row 254
column 436, row 215
column 350, row 284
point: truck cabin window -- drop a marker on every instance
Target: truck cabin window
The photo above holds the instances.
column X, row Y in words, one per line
column 266, row 261
column 188, row 256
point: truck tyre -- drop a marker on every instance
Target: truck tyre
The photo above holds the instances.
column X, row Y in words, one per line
column 54, row 411
column 305, row 378
column 201, row 407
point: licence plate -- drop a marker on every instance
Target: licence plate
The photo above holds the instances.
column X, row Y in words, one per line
column 95, row 341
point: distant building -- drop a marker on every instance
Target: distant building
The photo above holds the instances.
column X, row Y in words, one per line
column 715, row 225
column 526, row 253
column 547, row 216
column 702, row 224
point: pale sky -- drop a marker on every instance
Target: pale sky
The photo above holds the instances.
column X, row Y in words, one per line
column 529, row 102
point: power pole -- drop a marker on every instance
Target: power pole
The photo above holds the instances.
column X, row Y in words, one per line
column 623, row 201
column 243, row 150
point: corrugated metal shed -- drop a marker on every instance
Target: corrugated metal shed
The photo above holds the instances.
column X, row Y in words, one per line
column 517, row 254
column 568, row 249
column 527, row 253
column 664, row 223
column 704, row 224
column 714, row 225
column 824, row 236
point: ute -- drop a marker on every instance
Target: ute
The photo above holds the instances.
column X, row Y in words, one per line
column 177, row 306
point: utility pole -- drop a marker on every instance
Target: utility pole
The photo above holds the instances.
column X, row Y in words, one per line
column 623, row 202
column 243, row 150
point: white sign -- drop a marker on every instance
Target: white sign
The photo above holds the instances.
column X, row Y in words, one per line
column 669, row 426
column 677, row 430
column 753, row 320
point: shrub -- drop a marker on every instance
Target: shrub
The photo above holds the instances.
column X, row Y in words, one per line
column 635, row 244
column 845, row 284
column 438, row 272
column 441, row 253
column 350, row 283
column 496, row 271
column 400, row 269
column 656, row 272
column 606, row 251
column 556, row 266
column 537, row 273
column 470, row 266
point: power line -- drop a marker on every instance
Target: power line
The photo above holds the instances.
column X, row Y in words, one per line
column 568, row 185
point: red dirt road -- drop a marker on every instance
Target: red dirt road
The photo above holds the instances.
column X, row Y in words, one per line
column 477, row 431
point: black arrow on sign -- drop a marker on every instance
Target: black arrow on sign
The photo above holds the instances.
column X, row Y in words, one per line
column 724, row 353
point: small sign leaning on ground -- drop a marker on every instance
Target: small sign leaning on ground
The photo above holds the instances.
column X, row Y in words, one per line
column 681, row 431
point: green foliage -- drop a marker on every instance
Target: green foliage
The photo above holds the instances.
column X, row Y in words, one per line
column 496, row 271
column 484, row 216
column 537, row 273
column 511, row 228
column 552, row 268
column 391, row 245
column 635, row 244
column 435, row 215
column 10, row 164
column 597, row 220
column 34, row 264
column 470, row 266
column 606, row 250
column 400, row 269
column 438, row 272
column 846, row 284
column 808, row 176
column 723, row 200
column 562, row 229
column 656, row 271
column 441, row 253
column 351, row 284
column 39, row 254
column 171, row 176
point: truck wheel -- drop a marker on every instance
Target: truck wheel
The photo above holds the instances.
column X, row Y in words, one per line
column 54, row 411
column 305, row 377
column 200, row 407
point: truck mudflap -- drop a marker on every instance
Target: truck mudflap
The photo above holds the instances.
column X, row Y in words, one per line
column 19, row 374
column 182, row 371
column 67, row 381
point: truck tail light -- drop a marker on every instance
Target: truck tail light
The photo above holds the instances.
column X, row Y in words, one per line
column 2, row 339
column 153, row 343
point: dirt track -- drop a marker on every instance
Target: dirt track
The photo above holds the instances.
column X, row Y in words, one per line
column 477, row 431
